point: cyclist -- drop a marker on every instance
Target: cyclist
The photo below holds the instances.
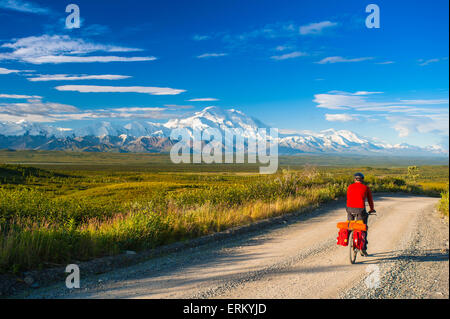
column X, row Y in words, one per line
column 357, row 193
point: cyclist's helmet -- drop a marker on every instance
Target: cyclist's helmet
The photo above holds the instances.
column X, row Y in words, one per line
column 359, row 176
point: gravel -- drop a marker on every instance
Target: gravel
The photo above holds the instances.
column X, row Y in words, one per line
column 419, row 270
column 296, row 257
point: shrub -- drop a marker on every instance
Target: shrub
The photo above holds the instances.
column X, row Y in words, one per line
column 443, row 204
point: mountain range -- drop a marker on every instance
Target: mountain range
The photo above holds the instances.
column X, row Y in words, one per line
column 145, row 136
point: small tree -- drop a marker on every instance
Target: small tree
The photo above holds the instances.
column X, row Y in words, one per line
column 413, row 173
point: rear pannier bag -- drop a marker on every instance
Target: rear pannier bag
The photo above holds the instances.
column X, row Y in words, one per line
column 359, row 239
column 342, row 238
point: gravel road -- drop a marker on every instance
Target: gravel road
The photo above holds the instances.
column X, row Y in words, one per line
column 408, row 258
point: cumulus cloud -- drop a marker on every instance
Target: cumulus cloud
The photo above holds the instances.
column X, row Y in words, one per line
column 339, row 59
column 120, row 89
column 291, row 55
column 316, row 28
column 66, row 77
column 63, row 49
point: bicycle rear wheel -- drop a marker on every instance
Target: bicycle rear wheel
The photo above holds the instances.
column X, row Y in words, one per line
column 353, row 250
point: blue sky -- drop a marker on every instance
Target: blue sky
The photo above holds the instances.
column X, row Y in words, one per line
column 295, row 65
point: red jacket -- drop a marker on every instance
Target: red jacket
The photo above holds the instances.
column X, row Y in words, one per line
column 357, row 193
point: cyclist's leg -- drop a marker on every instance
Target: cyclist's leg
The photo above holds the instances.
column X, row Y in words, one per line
column 350, row 216
column 364, row 216
column 352, row 213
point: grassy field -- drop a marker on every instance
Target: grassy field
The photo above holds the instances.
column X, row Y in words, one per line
column 58, row 207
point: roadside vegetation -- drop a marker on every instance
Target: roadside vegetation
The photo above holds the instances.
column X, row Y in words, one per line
column 57, row 215
column 443, row 203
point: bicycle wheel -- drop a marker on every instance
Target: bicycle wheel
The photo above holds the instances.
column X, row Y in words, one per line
column 353, row 250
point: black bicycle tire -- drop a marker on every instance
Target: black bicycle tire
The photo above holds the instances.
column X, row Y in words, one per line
column 352, row 251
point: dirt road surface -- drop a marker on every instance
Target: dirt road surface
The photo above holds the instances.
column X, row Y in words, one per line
column 408, row 258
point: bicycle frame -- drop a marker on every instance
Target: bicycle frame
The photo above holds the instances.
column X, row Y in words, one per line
column 353, row 246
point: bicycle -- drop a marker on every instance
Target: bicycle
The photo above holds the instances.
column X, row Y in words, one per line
column 357, row 240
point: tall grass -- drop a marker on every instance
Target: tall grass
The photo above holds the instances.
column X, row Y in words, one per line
column 40, row 227
column 443, row 203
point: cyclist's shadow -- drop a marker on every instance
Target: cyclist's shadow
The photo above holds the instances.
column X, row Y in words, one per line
column 398, row 255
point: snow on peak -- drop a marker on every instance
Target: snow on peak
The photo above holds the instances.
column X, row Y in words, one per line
column 326, row 141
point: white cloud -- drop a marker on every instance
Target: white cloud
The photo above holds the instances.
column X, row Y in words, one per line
column 49, row 45
column 33, row 111
column 269, row 31
column 282, row 48
column 117, row 113
column 339, row 117
column 386, row 62
column 426, row 62
column 84, row 59
column 366, row 93
column 176, row 106
column 7, row 71
column 23, row 6
column 137, row 109
column 426, row 102
column 413, row 118
column 65, row 77
column 426, row 123
column 211, row 55
column 205, row 99
column 38, row 111
column 120, row 89
column 338, row 100
column 316, row 28
column 339, row 59
column 291, row 55
column 198, row 37
column 63, row 49
column 17, row 96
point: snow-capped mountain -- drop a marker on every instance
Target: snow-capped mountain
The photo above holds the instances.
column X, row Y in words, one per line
column 145, row 136
column 215, row 117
